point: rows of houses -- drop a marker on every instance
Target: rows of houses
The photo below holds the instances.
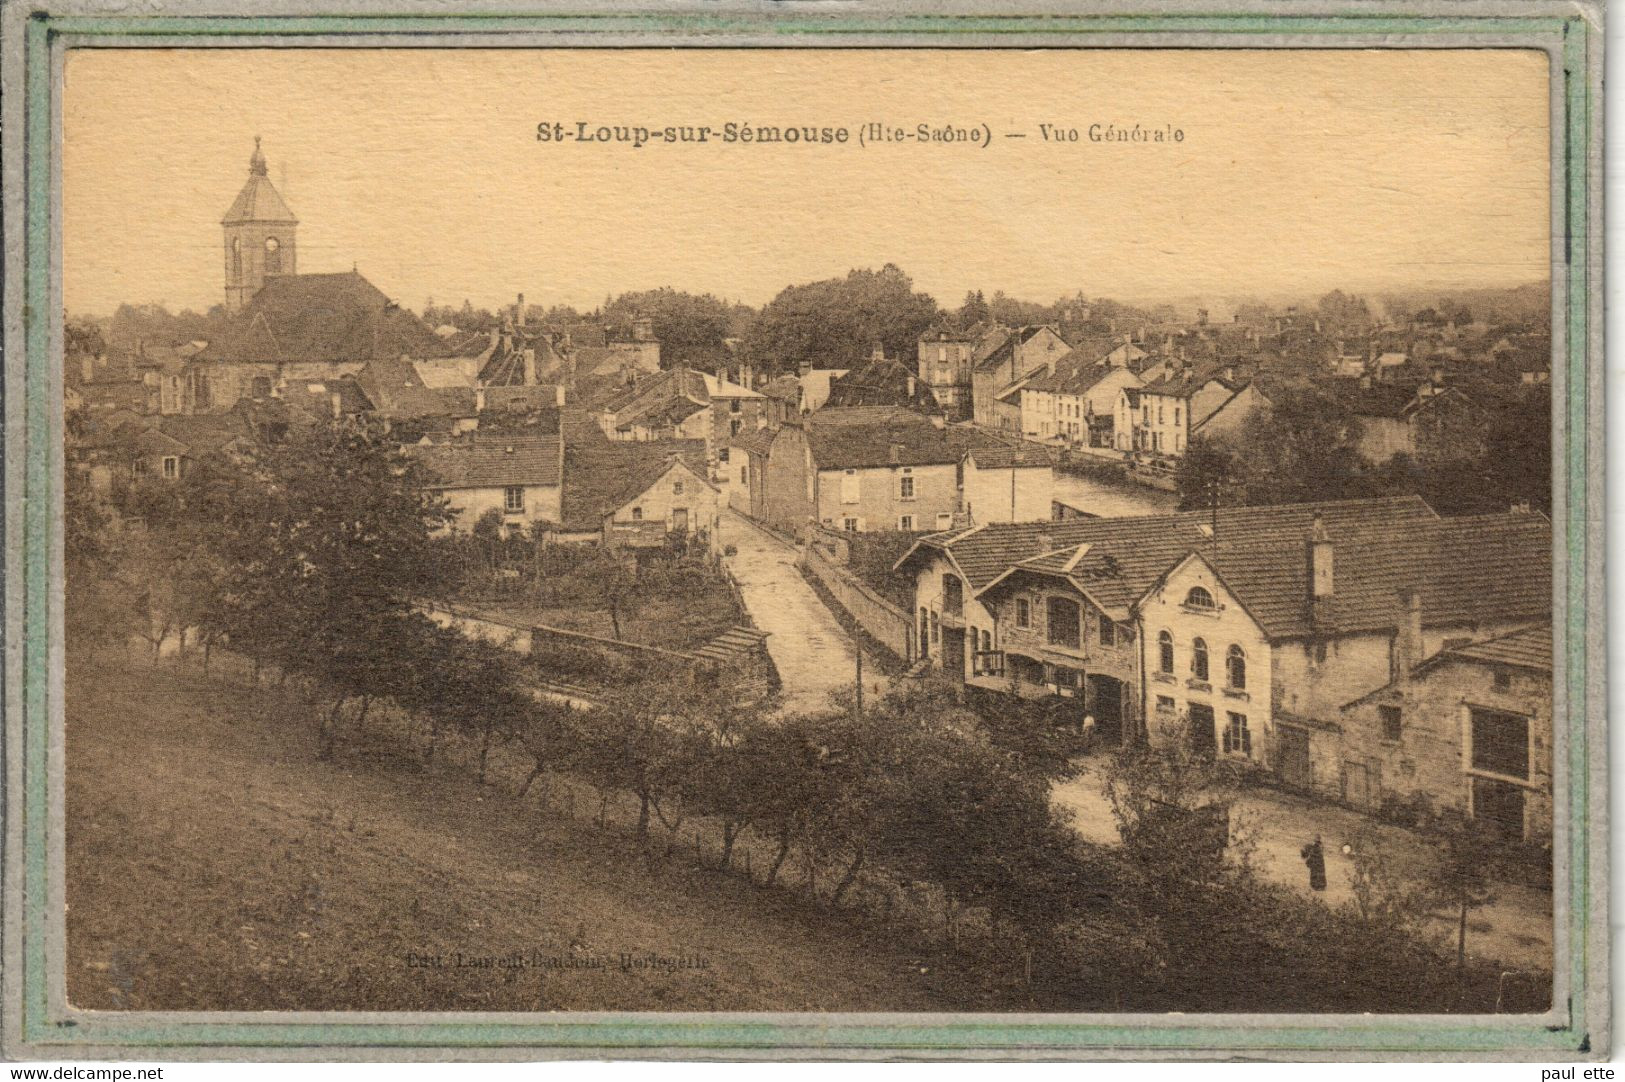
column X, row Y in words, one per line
column 563, row 433
column 1369, row 650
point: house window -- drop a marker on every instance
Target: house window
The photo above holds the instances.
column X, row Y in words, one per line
column 1500, row 743
column 850, row 525
column 953, row 594
column 987, row 641
column 1237, row 740
column 1393, row 722
column 1198, row 598
column 1199, row 660
column 936, row 628
column 172, row 467
column 1063, row 616
column 261, row 387
column 849, row 486
column 905, row 487
column 637, row 514
column 1024, row 612
column 925, row 630
column 1176, row 415
column 1503, row 681
column 1165, row 651
column 513, row 499
column 1236, row 667
column 1108, row 632
column 905, row 522
column 677, row 488
column 1165, row 704
column 733, row 427
column 942, row 354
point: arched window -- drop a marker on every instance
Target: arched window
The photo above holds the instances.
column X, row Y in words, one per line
column 1165, row 646
column 1236, row 664
column 987, row 642
column 1199, row 660
column 1199, row 598
column 273, row 256
column 236, row 258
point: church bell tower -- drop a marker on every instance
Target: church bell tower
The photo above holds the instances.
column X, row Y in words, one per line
column 260, row 235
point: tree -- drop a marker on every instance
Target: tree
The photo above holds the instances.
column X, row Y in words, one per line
column 1304, row 447
column 1343, row 315
column 691, row 329
column 974, row 310
column 835, row 323
column 1207, row 470
column 1467, row 855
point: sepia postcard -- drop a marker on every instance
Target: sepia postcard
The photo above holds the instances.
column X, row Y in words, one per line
column 721, row 532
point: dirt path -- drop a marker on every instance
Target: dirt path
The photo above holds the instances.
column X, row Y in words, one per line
column 813, row 653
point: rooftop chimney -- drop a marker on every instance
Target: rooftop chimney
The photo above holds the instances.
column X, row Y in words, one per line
column 911, row 386
column 1319, row 544
column 877, row 352
column 1408, row 633
column 896, row 452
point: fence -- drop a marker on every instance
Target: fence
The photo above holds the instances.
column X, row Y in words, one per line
column 884, row 621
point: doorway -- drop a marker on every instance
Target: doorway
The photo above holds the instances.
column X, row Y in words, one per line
column 1292, row 757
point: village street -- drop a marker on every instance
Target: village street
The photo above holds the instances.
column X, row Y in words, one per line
column 1514, row 928
column 813, row 653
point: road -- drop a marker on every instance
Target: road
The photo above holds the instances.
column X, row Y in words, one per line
column 1515, row 928
column 813, row 653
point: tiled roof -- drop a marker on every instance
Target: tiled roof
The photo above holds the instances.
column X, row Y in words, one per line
column 494, row 461
column 1006, row 345
column 599, row 479
column 322, row 317
column 522, row 399
column 757, row 440
column 205, row 433
column 1529, row 648
column 784, row 388
column 1002, row 457
column 259, row 201
column 397, row 391
column 1260, row 554
column 1075, row 373
column 992, row 340
column 858, row 437
column 879, row 383
column 1186, row 383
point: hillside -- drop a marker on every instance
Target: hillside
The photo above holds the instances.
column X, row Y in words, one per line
column 213, row 862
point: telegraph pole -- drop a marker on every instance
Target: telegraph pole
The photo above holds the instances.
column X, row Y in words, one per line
column 857, row 654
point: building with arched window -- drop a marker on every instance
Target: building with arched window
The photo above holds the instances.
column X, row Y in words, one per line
column 260, row 232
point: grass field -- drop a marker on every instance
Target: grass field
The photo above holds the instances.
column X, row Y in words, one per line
column 214, row 862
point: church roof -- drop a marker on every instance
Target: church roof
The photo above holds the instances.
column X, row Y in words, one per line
column 323, row 317
column 259, row 201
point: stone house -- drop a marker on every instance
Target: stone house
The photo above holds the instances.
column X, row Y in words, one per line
column 1006, row 484
column 1313, row 611
column 638, row 495
column 1018, row 354
column 946, row 355
column 1468, row 728
column 520, row 477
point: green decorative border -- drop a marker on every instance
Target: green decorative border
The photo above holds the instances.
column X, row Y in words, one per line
column 806, row 1036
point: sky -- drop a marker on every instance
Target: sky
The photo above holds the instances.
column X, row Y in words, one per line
column 1297, row 172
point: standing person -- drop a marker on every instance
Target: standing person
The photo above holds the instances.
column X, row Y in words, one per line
column 1315, row 857
column 1088, row 732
